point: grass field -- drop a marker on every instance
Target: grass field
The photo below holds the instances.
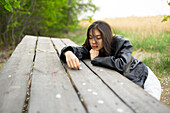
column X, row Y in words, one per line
column 151, row 44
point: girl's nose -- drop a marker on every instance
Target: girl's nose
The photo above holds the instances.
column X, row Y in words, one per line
column 93, row 40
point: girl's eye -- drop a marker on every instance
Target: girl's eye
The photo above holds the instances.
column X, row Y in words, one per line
column 90, row 37
column 99, row 37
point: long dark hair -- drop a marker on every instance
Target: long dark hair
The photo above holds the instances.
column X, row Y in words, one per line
column 106, row 34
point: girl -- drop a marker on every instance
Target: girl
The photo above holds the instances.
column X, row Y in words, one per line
column 112, row 52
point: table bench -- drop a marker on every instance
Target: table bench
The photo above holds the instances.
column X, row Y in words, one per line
column 34, row 80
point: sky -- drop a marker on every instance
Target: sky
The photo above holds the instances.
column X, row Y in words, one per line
column 125, row 8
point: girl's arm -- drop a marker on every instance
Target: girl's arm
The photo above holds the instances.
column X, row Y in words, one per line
column 80, row 52
column 120, row 61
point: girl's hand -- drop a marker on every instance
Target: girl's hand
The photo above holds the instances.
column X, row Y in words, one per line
column 93, row 53
column 72, row 60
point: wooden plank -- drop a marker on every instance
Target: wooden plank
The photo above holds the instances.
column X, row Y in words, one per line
column 51, row 90
column 97, row 97
column 15, row 75
column 68, row 42
column 58, row 43
column 129, row 92
column 133, row 95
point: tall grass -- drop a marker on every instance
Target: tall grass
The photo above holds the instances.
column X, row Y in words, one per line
column 158, row 42
column 140, row 24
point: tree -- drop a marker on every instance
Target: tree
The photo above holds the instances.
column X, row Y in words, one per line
column 6, row 21
column 39, row 17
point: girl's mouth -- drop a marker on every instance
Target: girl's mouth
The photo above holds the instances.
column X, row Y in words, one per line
column 94, row 47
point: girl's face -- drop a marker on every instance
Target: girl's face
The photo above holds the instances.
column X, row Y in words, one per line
column 96, row 42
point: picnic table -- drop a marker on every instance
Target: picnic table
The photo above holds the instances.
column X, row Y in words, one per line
column 34, row 80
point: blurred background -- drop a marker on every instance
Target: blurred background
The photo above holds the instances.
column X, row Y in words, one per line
column 146, row 23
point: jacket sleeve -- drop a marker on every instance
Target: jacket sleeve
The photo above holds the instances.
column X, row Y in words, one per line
column 118, row 62
column 80, row 52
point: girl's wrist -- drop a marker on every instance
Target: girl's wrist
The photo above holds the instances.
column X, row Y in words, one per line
column 66, row 52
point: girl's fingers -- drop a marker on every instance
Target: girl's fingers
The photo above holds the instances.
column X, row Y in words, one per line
column 72, row 61
column 77, row 64
column 68, row 64
column 74, row 64
column 71, row 64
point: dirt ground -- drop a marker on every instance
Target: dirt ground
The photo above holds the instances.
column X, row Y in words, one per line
column 165, row 83
column 4, row 56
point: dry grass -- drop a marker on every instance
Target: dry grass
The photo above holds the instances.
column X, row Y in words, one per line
column 142, row 25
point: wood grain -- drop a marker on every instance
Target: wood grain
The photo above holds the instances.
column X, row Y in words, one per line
column 51, row 90
column 15, row 75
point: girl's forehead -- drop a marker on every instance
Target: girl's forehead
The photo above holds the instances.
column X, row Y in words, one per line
column 95, row 31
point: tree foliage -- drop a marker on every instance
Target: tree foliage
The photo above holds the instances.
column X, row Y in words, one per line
column 10, row 5
column 39, row 17
column 166, row 17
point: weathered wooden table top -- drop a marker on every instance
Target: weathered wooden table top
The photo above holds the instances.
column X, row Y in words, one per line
column 34, row 80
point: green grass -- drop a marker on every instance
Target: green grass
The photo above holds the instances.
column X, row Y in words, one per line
column 159, row 65
column 158, row 42
column 78, row 35
column 78, row 39
column 153, row 42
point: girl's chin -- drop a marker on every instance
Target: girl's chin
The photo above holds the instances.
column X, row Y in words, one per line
column 96, row 49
